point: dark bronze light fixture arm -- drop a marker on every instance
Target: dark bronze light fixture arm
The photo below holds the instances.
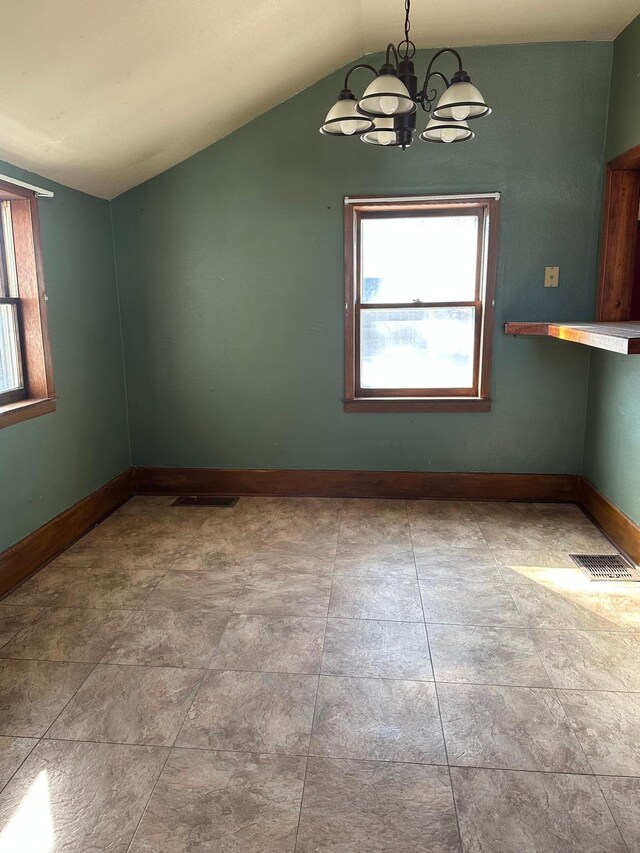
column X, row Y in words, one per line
column 354, row 68
column 427, row 98
column 391, row 48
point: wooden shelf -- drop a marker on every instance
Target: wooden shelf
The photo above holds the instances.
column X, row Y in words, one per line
column 615, row 337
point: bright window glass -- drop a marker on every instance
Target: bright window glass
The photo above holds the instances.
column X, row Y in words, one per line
column 425, row 258
column 417, row 348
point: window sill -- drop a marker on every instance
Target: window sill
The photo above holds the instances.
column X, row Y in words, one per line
column 417, row 404
column 13, row 413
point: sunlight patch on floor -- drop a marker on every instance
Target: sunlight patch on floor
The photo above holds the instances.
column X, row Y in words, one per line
column 31, row 827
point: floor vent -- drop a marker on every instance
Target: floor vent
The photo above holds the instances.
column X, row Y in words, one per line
column 605, row 567
column 204, row 500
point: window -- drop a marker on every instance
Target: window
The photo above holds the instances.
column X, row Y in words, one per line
column 419, row 284
column 26, row 381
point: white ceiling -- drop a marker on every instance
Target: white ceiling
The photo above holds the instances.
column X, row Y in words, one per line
column 103, row 95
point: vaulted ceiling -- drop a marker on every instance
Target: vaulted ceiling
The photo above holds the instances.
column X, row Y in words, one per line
column 103, row 95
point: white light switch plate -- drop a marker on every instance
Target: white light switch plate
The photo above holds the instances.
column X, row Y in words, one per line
column 551, row 276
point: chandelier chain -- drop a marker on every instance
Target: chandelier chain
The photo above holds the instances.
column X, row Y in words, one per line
column 407, row 48
column 407, row 21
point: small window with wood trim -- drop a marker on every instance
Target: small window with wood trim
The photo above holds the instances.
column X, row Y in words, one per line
column 26, row 380
column 419, row 285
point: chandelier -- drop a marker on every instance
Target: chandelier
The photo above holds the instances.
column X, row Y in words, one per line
column 386, row 112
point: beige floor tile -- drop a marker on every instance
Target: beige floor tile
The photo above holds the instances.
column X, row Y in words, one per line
column 13, row 751
column 218, row 566
column 149, row 555
column 374, row 561
column 512, row 728
column 553, row 578
column 565, row 512
column 427, row 533
column 501, row 512
column 607, row 726
column 83, row 554
column 237, row 527
column 378, row 807
column 473, row 655
column 129, row 704
column 511, row 536
column 375, row 598
column 285, row 594
column 68, row 634
column 377, row 649
column 559, row 607
column 267, row 712
column 13, row 618
column 369, row 530
column 502, row 811
column 456, row 558
column 590, row 660
column 475, row 567
column 440, row 510
column 118, row 589
column 185, row 638
column 581, row 538
column 216, row 550
column 623, row 796
column 271, row 644
column 78, row 797
column 551, row 569
column 32, row 693
column 212, row 801
column 326, row 509
column 296, row 557
column 382, row 508
column 375, row 718
column 523, row 564
column 458, row 602
column 180, row 590
column 44, row 587
column 304, row 529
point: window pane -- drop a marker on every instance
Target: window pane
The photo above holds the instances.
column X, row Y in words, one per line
column 426, row 258
column 417, row 347
column 8, row 273
column 10, row 364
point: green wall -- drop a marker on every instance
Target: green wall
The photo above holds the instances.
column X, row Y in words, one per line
column 50, row 462
column 612, row 443
column 231, row 280
column 623, row 129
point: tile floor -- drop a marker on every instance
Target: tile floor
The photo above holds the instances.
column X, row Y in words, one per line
column 322, row 676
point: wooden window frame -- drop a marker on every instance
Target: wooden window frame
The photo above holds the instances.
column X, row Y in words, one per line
column 39, row 391
column 475, row 399
column 619, row 235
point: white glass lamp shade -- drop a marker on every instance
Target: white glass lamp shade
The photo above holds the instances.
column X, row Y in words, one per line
column 386, row 96
column 383, row 133
column 459, row 102
column 344, row 120
column 446, row 131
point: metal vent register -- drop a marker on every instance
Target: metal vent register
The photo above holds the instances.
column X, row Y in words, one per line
column 605, row 567
column 204, row 500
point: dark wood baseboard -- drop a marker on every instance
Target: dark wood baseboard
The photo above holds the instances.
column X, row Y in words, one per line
column 54, row 537
column 622, row 530
column 45, row 543
column 356, row 484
